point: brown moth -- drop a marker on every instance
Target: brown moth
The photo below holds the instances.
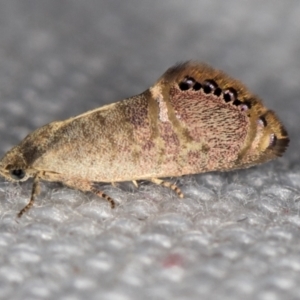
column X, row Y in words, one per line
column 194, row 119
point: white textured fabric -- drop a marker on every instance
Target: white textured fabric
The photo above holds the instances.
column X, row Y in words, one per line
column 234, row 236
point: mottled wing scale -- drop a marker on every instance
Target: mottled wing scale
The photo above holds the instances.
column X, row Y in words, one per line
column 226, row 127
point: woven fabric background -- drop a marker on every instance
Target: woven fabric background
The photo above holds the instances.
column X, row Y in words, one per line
column 235, row 235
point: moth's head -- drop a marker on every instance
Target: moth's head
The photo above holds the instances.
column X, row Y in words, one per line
column 17, row 163
column 13, row 166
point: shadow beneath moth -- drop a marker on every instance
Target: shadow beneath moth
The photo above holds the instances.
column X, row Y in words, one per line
column 193, row 120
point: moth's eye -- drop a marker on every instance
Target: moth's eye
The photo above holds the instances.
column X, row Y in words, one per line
column 230, row 95
column 17, row 174
column 209, row 86
column 187, row 83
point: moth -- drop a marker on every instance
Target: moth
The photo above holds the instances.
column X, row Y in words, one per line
column 194, row 119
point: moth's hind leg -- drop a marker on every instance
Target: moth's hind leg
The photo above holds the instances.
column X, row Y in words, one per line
column 169, row 185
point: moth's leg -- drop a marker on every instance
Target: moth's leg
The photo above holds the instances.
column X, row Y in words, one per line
column 34, row 193
column 77, row 184
column 135, row 183
column 169, row 185
column 100, row 194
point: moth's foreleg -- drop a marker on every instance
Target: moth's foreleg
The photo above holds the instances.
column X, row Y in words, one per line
column 34, row 193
